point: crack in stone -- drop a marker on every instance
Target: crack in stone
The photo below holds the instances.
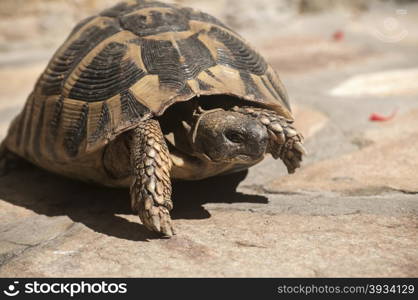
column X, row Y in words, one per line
column 9, row 256
column 19, row 244
column 402, row 191
column 356, row 193
column 249, row 245
column 261, row 189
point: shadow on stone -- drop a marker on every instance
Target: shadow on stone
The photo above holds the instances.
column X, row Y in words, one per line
column 98, row 207
column 189, row 196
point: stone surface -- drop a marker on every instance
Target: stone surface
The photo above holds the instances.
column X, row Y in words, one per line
column 308, row 120
column 394, row 82
column 225, row 245
column 351, row 210
column 301, row 54
column 387, row 161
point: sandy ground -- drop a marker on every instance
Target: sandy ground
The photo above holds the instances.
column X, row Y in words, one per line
column 351, row 210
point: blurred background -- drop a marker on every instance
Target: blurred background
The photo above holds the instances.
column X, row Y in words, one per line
column 296, row 36
column 351, row 70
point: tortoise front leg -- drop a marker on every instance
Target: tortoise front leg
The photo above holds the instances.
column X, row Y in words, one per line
column 285, row 141
column 151, row 186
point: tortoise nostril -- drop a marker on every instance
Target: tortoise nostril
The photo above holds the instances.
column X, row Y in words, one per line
column 256, row 131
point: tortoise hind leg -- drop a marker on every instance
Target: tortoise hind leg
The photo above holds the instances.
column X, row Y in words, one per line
column 8, row 160
column 3, row 159
column 151, row 186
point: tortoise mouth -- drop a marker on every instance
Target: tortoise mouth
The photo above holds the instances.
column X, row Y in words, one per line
column 192, row 167
column 238, row 161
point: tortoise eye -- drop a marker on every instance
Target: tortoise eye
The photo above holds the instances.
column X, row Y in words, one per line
column 234, row 136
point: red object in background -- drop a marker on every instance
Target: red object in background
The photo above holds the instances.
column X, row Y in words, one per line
column 338, row 35
column 375, row 117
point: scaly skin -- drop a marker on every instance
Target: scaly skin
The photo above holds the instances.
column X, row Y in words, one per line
column 151, row 186
column 285, row 141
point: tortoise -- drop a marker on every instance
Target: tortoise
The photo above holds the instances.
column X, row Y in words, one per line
column 147, row 92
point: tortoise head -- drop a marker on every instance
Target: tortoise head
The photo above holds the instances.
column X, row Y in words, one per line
column 229, row 137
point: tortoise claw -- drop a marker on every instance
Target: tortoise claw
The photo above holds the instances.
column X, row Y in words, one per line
column 157, row 219
column 287, row 145
column 292, row 160
column 299, row 147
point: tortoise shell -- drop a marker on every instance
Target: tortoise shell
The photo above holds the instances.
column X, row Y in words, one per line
column 130, row 63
